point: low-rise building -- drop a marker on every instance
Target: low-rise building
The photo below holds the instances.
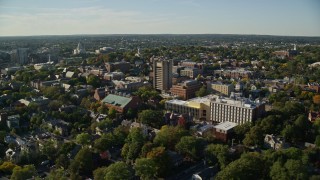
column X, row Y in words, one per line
column 37, row 100
column 190, row 72
column 122, row 66
column 121, row 103
column 224, row 130
column 219, row 87
column 198, row 108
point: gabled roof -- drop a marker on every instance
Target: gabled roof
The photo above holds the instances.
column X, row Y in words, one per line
column 116, row 100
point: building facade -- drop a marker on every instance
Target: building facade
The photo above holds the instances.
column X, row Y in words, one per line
column 162, row 74
column 186, row 90
column 122, row 66
column 225, row 89
column 239, row 110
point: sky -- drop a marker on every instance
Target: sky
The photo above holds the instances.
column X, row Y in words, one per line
column 66, row 17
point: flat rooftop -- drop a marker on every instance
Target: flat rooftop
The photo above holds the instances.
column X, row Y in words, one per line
column 226, row 125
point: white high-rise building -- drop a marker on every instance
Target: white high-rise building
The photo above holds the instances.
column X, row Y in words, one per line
column 79, row 50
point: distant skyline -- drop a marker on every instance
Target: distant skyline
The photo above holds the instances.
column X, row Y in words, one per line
column 68, row 17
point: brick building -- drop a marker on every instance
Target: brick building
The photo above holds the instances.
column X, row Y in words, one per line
column 186, row 90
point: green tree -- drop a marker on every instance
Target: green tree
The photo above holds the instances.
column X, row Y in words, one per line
column 7, row 167
column 217, row 153
column 292, row 169
column 317, row 141
column 105, row 142
column 254, row 137
column 83, row 139
column 25, row 172
column 93, row 81
column 133, row 145
column 249, row 166
column 241, row 130
column 118, row 170
column 84, row 159
column 191, row 147
column 146, row 168
column 152, row 118
column 57, row 174
column 169, row 136
column 100, row 173
column 49, row 149
column 163, row 162
column 201, row 92
column 112, row 113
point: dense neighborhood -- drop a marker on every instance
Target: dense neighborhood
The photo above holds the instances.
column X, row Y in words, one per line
column 160, row 107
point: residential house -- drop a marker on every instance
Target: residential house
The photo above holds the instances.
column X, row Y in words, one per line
column 273, row 142
column 312, row 116
column 13, row 121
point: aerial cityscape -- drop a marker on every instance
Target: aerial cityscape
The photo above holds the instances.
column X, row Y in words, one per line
column 175, row 90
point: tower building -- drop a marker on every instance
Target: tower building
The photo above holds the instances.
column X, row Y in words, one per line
column 162, row 74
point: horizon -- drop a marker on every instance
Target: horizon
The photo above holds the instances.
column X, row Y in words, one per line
column 97, row 17
column 150, row 34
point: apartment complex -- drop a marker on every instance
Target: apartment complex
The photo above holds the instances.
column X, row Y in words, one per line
column 122, row 66
column 198, row 108
column 186, row 90
column 162, row 74
column 237, row 110
column 234, row 73
column 190, row 72
column 225, row 89
column 214, row 109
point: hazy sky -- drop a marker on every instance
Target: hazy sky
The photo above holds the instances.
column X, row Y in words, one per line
column 56, row 17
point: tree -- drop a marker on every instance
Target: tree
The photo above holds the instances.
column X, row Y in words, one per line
column 169, row 136
column 25, row 172
column 7, row 167
column 152, row 118
column 84, row 160
column 317, row 141
column 133, row 145
column 49, row 149
column 160, row 156
column 146, row 168
column 100, row 173
column 292, row 169
column 105, row 142
column 241, row 130
column 201, row 92
column 190, row 146
column 93, row 81
column 249, row 166
column 112, row 113
column 83, row 139
column 118, row 170
column 217, row 153
column 57, row 174
column 254, row 137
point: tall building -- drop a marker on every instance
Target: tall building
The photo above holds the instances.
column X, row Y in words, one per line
column 80, row 49
column 20, row 56
column 162, row 74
